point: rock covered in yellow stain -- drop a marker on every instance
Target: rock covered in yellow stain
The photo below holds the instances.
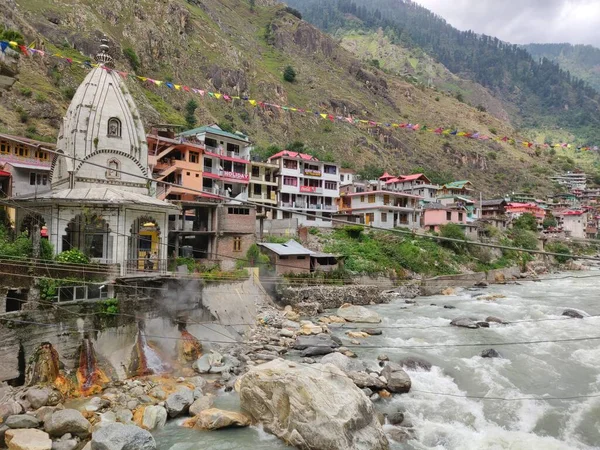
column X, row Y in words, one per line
column 308, row 328
column 324, row 320
column 215, row 419
column 337, row 319
column 384, row 394
column 500, row 278
column 492, row 297
column 449, row 291
column 291, row 315
column 357, row 334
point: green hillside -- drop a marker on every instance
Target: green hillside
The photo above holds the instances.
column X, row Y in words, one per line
column 233, row 47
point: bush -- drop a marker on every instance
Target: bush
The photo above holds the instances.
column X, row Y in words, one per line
column 25, row 92
column 132, row 57
column 523, row 238
column 289, row 74
column 481, row 108
column 74, row 256
column 293, row 12
column 190, row 109
column 558, row 247
column 526, row 221
column 549, row 221
column 109, row 307
column 40, row 97
column 190, row 263
column 453, row 231
column 68, row 92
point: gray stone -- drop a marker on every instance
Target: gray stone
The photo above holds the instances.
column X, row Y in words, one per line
column 22, row 421
column 286, row 333
column 67, row 421
column 154, row 417
column 215, row 419
column 124, row 416
column 290, row 324
column 372, row 331
column 200, row 404
column 179, row 402
column 198, row 382
column 493, row 319
column 483, row 324
column 364, row 380
column 315, row 351
column 158, row 393
column 395, row 418
column 45, row 412
column 116, row 436
column 342, row 362
column 38, row 397
column 398, row 380
column 320, row 340
column 449, row 307
column 399, row 434
column 354, row 313
column 490, row 353
column 464, row 322
column 368, row 392
column 9, row 409
column 3, row 430
column 414, row 363
column 575, row 314
column 309, row 309
column 65, row 444
column 323, row 408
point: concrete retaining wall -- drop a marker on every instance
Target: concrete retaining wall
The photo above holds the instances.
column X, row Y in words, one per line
column 330, row 297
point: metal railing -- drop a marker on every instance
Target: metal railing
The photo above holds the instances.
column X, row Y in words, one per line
column 150, row 266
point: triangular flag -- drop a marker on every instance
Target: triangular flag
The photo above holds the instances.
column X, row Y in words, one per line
column 3, row 46
column 252, row 102
column 158, row 82
column 177, row 87
column 227, row 98
column 324, row 116
column 169, row 85
column 13, row 44
column 454, row 133
column 186, row 89
column 218, row 96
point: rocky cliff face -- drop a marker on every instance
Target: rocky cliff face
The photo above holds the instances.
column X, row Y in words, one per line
column 223, row 45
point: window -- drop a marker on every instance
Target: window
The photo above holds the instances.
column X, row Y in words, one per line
column 301, row 257
column 39, row 179
column 255, row 171
column 448, row 215
column 114, row 127
column 21, row 150
column 370, row 218
column 237, row 244
column 194, row 157
column 331, row 185
column 239, row 211
column 332, row 170
column 257, row 189
column 233, row 148
column 4, row 147
column 362, row 198
column 197, row 175
column 283, row 257
column 288, row 164
column 188, row 174
column 386, row 199
column 114, row 168
column 342, row 178
column 460, row 217
column 290, row 181
column 371, row 198
column 384, row 217
column 42, row 155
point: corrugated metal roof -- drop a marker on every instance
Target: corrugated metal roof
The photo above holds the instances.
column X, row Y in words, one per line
column 290, row 248
column 214, row 130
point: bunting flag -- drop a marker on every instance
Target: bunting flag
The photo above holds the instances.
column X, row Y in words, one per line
column 30, row 50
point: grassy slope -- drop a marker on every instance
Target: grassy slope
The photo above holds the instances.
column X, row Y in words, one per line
column 221, row 44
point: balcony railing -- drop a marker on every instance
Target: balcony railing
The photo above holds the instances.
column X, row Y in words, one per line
column 230, row 154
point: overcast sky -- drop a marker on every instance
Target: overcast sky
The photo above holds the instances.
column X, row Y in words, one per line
column 524, row 21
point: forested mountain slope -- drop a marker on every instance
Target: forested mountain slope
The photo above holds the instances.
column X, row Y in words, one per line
column 538, row 93
column 242, row 48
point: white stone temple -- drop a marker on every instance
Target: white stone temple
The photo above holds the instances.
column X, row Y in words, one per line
column 108, row 213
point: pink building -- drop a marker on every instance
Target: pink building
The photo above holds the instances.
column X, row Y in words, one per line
column 516, row 210
column 436, row 215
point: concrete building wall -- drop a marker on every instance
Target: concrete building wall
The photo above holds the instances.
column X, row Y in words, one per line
column 227, row 249
column 291, row 264
column 229, row 221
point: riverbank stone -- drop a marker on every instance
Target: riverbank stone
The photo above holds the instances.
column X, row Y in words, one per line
column 38, row 397
column 360, row 314
column 490, row 353
column 179, row 402
column 22, row 421
column 215, row 419
column 67, row 421
column 323, row 408
column 28, row 439
column 117, row 436
column 464, row 322
column 397, row 379
column 414, row 363
column 575, row 314
column 320, row 340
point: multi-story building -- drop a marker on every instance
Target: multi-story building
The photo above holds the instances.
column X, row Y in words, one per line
column 436, row 215
column 571, row 180
column 416, row 184
column 263, row 187
column 306, row 185
column 384, row 209
column 347, row 176
column 25, row 166
column 574, row 223
column 516, row 210
column 226, row 159
column 457, row 188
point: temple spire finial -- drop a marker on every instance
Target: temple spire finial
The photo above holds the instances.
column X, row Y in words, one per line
column 102, row 57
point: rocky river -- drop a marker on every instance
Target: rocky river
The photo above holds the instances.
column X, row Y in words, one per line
column 439, row 407
column 511, row 366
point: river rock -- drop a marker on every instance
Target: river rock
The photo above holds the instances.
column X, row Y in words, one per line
column 395, row 418
column 179, row 402
column 37, row 397
column 22, row 421
column 200, row 404
column 28, row 439
column 316, row 351
column 154, row 417
column 308, row 309
column 364, row 380
column 291, row 315
column 45, row 412
column 308, row 328
column 400, row 434
column 286, row 333
column 9, row 409
column 354, row 313
column 215, row 419
column 124, row 416
column 320, row 340
column 311, row 408
column 575, row 314
column 3, row 430
column 493, row 319
column 67, row 442
column 117, row 436
column 490, row 353
column 449, row 307
column 414, row 363
column 372, row 331
column 483, row 324
column 464, row 322
column 67, row 421
column 342, row 362
column 290, row 325
column 398, row 380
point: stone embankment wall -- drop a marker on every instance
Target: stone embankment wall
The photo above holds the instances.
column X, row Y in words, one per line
column 435, row 286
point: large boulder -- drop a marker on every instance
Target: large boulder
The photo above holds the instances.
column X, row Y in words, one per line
column 215, row 419
column 67, row 421
column 154, row 417
column 354, row 313
column 28, row 439
column 22, row 421
column 116, row 436
column 364, row 380
column 398, row 380
column 343, row 362
column 200, row 404
column 179, row 402
column 311, row 407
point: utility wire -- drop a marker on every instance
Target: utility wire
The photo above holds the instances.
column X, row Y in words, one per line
column 276, row 208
